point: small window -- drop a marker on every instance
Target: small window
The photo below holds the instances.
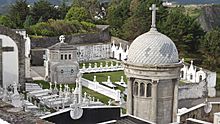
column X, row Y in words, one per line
column 191, row 76
column 70, row 56
column 182, row 74
column 61, row 71
column 149, row 87
column 200, row 78
column 72, row 71
column 61, row 57
column 135, row 88
column 65, row 56
column 142, row 89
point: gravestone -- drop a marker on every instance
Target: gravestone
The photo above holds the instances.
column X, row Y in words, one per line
column 95, row 66
column 16, row 99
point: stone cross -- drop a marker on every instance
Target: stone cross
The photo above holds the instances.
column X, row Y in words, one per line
column 94, row 79
column 109, row 102
column 62, row 38
column 84, row 66
column 95, row 66
column 112, row 64
column 122, row 79
column 90, row 66
column 116, row 64
column 50, row 86
column 85, row 94
column 101, row 65
column 109, row 80
column 15, row 88
column 60, row 92
column 154, row 9
column 106, row 64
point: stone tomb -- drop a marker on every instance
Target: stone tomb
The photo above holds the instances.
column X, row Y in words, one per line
column 12, row 58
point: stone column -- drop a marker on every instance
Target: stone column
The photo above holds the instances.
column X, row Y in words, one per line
column 154, row 100
column 175, row 99
column 129, row 97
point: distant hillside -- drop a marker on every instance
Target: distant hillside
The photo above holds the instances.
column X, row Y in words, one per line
column 4, row 4
column 207, row 15
column 210, row 17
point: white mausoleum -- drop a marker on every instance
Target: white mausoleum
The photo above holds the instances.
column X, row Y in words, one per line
column 60, row 63
column 153, row 72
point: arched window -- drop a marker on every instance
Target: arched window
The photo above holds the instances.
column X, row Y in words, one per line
column 61, row 71
column 142, row 89
column 149, row 87
column 61, row 57
column 191, row 76
column 65, row 56
column 182, row 74
column 119, row 56
column 70, row 56
column 200, row 78
column 135, row 86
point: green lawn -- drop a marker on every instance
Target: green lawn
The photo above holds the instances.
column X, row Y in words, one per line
column 101, row 77
column 92, row 93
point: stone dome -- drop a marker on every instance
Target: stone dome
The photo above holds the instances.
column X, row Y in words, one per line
column 152, row 48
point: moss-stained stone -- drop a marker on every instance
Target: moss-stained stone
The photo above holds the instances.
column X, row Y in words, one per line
column 17, row 116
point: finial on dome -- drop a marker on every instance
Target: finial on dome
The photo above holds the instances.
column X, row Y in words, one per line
column 154, row 9
column 62, row 38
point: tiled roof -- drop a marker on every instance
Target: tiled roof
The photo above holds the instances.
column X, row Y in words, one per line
column 153, row 48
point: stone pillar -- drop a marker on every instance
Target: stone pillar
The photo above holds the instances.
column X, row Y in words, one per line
column 154, row 100
column 129, row 97
column 175, row 99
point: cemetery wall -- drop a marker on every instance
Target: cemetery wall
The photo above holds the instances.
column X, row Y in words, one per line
column 45, row 42
column 38, row 45
column 191, row 90
column 21, row 50
column 199, row 113
column 118, row 40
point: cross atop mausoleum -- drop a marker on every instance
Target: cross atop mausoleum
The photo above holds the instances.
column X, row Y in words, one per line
column 62, row 38
column 154, row 9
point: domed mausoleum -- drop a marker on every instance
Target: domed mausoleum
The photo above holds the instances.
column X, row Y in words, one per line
column 153, row 72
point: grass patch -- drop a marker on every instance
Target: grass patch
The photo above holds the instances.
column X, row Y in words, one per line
column 92, row 93
column 101, row 77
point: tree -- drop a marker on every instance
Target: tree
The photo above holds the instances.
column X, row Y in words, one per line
column 63, row 9
column 140, row 20
column 210, row 49
column 117, row 13
column 6, row 21
column 45, row 10
column 28, row 22
column 77, row 13
column 18, row 13
column 183, row 30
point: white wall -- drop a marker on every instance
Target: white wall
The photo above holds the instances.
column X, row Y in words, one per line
column 9, row 61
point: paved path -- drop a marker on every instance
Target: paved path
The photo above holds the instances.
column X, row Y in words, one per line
column 37, row 72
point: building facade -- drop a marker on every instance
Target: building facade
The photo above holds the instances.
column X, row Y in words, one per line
column 12, row 58
column 95, row 51
column 153, row 71
column 60, row 63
